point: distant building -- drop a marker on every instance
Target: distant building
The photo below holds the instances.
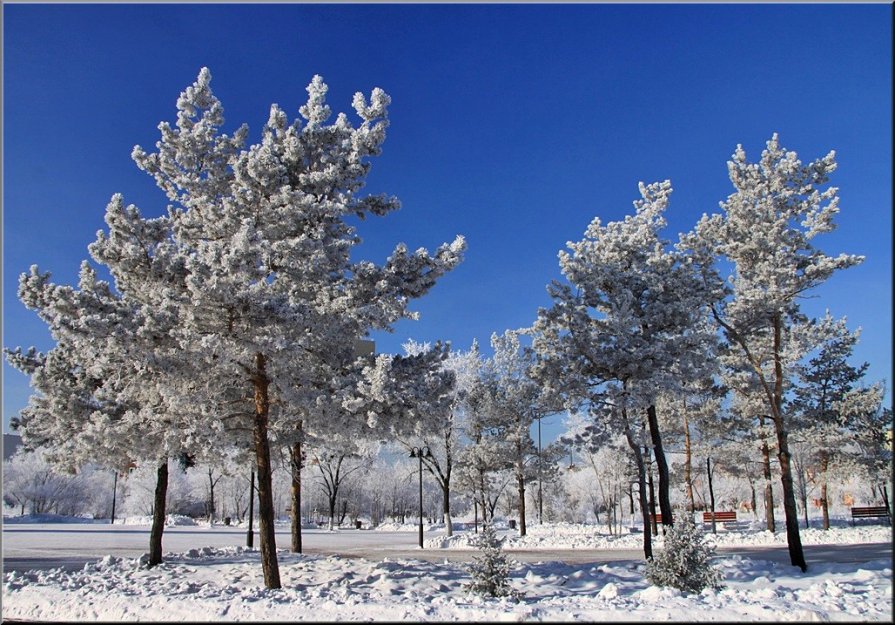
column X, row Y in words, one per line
column 11, row 442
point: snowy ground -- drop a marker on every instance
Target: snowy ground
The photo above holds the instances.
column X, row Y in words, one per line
column 225, row 584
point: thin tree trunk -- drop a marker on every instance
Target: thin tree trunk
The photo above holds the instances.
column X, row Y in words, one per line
column 824, row 502
column 295, row 465
column 654, row 525
column 446, row 508
column 688, row 463
column 641, row 481
column 803, row 493
column 794, row 541
column 269, row 562
column 708, row 470
column 114, row 497
column 211, row 503
column 661, row 466
column 753, row 500
column 158, row 514
column 520, row 482
column 768, row 487
column 885, row 490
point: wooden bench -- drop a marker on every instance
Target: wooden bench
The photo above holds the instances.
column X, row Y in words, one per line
column 868, row 512
column 720, row 517
column 657, row 517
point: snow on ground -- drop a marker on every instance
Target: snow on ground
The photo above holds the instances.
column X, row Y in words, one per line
column 226, row 584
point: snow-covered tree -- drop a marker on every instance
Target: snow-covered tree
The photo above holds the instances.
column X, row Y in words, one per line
column 102, row 392
column 32, row 483
column 870, row 423
column 823, row 383
column 767, row 233
column 490, row 570
column 261, row 286
column 631, row 316
column 514, row 399
column 685, row 561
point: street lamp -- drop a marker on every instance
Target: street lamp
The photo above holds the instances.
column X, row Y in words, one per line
column 421, row 452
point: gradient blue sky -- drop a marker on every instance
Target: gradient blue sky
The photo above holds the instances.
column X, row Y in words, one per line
column 514, row 125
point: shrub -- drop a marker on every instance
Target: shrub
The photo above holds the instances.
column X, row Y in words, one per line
column 684, row 562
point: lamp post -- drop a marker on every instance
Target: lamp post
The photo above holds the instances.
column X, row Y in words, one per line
column 420, row 452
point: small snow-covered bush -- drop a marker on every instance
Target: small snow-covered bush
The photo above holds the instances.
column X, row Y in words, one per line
column 490, row 571
column 684, row 562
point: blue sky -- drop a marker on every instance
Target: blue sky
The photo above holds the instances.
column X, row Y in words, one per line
column 514, row 125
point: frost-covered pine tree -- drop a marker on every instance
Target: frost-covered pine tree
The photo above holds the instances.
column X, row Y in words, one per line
column 269, row 288
column 685, row 561
column 632, row 313
column 823, row 383
column 490, row 570
column 767, row 233
column 516, row 399
column 437, row 420
column 101, row 391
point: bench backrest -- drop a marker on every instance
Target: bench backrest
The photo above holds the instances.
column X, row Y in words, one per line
column 870, row 511
column 719, row 516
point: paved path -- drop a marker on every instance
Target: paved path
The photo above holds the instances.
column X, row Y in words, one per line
column 45, row 546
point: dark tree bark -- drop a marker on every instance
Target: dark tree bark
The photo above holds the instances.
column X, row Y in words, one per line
column 158, row 514
column 641, row 481
column 824, row 503
column 661, row 467
column 770, row 522
column 269, row 563
column 688, row 464
column 295, row 465
column 708, row 470
column 794, row 541
column 520, row 483
column 654, row 525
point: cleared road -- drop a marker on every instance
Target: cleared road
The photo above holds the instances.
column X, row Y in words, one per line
column 45, row 546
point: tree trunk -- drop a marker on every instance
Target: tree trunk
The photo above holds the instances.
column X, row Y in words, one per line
column 768, row 487
column 688, row 463
column 641, row 481
column 803, row 493
column 885, row 490
column 708, row 470
column 211, row 504
column 824, row 502
column 446, row 508
column 250, row 534
column 661, row 466
column 654, row 525
column 753, row 500
column 158, row 514
column 114, row 497
column 269, row 562
column 794, row 541
column 295, row 465
column 520, row 482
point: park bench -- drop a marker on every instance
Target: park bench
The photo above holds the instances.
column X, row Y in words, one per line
column 720, row 517
column 867, row 512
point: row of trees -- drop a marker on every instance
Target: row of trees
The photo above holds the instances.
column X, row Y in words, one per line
column 642, row 325
column 235, row 323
